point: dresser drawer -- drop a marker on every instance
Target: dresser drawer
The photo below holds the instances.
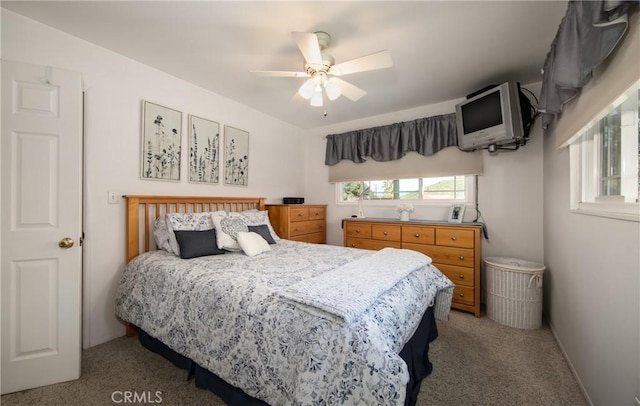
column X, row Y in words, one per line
column 428, row 250
column 452, row 237
column 459, row 275
column 386, row 232
column 368, row 244
column 307, row 227
column 299, row 213
column 358, row 230
column 453, row 256
column 463, row 295
column 418, row 235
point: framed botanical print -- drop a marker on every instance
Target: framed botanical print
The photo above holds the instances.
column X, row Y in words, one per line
column 161, row 142
column 236, row 156
column 204, row 150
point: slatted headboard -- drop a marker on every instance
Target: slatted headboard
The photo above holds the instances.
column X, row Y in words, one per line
column 142, row 211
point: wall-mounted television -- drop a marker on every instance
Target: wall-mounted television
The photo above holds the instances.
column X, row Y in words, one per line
column 492, row 118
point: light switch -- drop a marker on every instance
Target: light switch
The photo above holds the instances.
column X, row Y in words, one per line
column 112, row 198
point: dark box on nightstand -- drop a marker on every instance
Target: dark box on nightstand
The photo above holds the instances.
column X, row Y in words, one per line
column 293, row 200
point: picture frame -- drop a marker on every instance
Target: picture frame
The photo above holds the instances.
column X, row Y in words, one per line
column 204, row 150
column 236, row 156
column 161, row 147
column 456, row 213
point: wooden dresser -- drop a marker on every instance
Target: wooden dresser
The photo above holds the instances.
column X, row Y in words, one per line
column 299, row 222
column 454, row 248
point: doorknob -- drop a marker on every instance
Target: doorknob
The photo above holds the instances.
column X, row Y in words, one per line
column 66, row 243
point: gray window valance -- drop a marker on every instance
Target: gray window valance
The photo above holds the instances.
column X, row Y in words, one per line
column 425, row 136
column 588, row 33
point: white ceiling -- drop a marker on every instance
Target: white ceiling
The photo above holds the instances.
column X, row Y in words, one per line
column 441, row 50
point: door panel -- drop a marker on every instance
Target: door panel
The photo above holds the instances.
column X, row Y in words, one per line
column 41, row 204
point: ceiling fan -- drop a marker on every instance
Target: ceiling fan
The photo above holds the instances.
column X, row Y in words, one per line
column 323, row 72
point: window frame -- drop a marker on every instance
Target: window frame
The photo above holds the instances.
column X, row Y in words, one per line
column 470, row 196
column 585, row 161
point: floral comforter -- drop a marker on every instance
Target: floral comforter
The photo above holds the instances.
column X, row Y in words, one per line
column 225, row 313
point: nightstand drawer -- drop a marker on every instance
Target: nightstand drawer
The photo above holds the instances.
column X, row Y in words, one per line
column 315, row 238
column 307, row 227
column 452, row 237
column 418, row 235
column 386, row 232
column 358, row 230
column 317, row 213
column 299, row 213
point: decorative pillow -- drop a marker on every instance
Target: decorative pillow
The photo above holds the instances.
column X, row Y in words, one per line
column 194, row 243
column 227, row 229
column 252, row 244
column 188, row 221
column 256, row 218
column 263, row 231
column 162, row 234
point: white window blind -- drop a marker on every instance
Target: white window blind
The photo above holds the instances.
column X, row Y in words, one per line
column 447, row 162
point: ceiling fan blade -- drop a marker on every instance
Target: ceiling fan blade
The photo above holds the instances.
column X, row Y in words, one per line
column 280, row 73
column 379, row 60
column 350, row 91
column 310, row 48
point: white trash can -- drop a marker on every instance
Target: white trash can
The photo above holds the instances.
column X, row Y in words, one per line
column 514, row 292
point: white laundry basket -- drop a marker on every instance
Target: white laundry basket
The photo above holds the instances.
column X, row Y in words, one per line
column 514, row 292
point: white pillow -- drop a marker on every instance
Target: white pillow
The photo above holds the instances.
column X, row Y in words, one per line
column 257, row 218
column 227, row 229
column 252, row 244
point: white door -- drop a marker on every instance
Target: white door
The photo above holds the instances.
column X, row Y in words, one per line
column 41, row 204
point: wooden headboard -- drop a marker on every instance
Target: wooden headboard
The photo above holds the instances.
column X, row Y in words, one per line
column 142, row 211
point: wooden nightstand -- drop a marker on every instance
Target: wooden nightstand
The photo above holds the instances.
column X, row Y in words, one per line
column 299, row 222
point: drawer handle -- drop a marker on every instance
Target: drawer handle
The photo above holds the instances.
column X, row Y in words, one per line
column 461, row 294
column 417, row 235
column 299, row 214
column 461, row 276
column 297, row 229
column 357, row 230
column 353, row 245
column 461, row 257
column 384, row 233
column 454, row 238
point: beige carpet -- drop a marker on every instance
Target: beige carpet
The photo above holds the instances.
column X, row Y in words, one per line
column 476, row 362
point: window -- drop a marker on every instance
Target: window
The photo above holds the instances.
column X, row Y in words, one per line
column 605, row 162
column 442, row 190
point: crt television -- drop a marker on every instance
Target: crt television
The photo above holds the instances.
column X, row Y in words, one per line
column 492, row 117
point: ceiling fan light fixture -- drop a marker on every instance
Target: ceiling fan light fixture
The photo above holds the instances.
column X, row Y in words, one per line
column 316, row 99
column 333, row 89
column 307, row 89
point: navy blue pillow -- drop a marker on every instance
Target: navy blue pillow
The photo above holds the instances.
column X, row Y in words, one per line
column 263, row 231
column 197, row 243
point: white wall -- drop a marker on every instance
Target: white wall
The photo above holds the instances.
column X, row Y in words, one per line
column 510, row 190
column 593, row 278
column 115, row 87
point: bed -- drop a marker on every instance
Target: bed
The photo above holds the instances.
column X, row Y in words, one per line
column 294, row 323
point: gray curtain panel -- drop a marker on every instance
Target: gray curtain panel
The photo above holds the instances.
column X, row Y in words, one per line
column 588, row 33
column 425, row 136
